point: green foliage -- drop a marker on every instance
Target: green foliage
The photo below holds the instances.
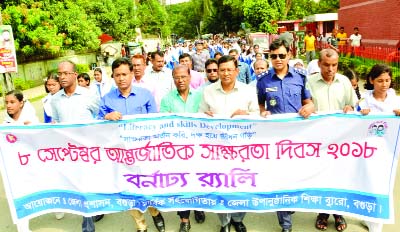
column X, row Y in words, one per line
column 300, row 8
column 22, row 84
column 362, row 70
column 82, row 68
column 153, row 18
column 34, row 33
column 185, row 18
column 77, row 30
column 262, row 13
column 324, row 6
column 116, row 18
column 345, row 63
column 47, row 28
column 228, row 14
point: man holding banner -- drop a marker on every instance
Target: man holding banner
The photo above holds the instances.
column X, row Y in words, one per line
column 283, row 90
column 183, row 99
column 331, row 91
column 229, row 97
column 130, row 100
column 74, row 104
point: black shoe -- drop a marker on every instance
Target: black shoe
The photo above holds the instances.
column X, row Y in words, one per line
column 159, row 222
column 226, row 228
column 286, row 230
column 141, row 231
column 184, row 227
column 98, row 217
column 239, row 226
column 199, row 216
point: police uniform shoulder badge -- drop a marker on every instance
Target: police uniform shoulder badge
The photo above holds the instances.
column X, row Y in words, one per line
column 300, row 71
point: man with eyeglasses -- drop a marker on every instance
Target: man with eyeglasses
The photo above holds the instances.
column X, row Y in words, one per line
column 283, row 90
column 74, row 104
column 211, row 72
column 183, row 99
column 139, row 67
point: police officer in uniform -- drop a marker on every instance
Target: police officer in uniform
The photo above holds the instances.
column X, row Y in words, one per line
column 283, row 90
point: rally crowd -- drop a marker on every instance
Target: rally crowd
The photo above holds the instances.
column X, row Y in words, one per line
column 215, row 82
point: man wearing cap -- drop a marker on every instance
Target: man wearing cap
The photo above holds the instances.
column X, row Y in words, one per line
column 200, row 57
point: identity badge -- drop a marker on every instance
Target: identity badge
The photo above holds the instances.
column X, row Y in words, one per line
column 271, row 89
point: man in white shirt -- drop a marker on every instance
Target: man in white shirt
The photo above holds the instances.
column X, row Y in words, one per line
column 229, row 97
column 139, row 66
column 161, row 75
column 355, row 42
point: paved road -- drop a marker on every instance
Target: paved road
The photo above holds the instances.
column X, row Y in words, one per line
column 121, row 222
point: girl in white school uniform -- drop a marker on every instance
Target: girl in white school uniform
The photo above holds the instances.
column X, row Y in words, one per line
column 19, row 111
column 380, row 97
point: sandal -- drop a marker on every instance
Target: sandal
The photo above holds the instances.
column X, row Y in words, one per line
column 322, row 222
column 340, row 223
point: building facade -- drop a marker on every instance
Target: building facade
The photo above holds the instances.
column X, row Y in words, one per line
column 378, row 20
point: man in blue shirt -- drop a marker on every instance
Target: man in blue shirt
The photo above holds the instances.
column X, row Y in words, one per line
column 244, row 69
column 74, row 104
column 127, row 99
column 283, row 90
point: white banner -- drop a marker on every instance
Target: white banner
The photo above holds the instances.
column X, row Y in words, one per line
column 336, row 163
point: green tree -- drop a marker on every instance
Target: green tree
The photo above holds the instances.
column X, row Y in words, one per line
column 116, row 18
column 153, row 18
column 228, row 14
column 185, row 18
column 34, row 31
column 261, row 14
column 300, row 8
column 325, row 6
column 78, row 30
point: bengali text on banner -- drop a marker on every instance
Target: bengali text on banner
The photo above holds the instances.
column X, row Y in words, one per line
column 335, row 163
